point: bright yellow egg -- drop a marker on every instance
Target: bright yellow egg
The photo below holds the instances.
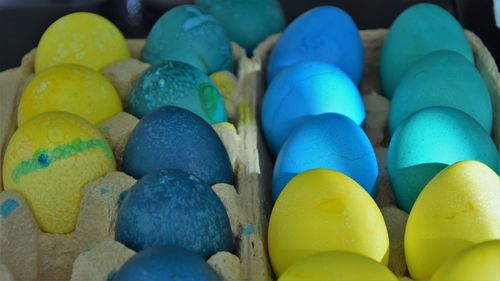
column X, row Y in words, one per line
column 81, row 38
column 337, row 266
column 480, row 262
column 71, row 88
column 459, row 207
column 322, row 210
column 49, row 160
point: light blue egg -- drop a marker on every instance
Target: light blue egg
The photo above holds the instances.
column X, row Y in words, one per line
column 187, row 34
column 418, row 31
column 331, row 141
column 303, row 91
column 429, row 141
column 324, row 33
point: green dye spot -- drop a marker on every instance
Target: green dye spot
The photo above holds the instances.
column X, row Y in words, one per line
column 42, row 158
column 208, row 96
column 248, row 230
column 103, row 190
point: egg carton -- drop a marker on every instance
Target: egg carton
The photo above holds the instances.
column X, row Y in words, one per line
column 90, row 252
column 377, row 108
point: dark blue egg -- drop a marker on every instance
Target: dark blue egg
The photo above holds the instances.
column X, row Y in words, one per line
column 165, row 263
column 173, row 208
column 323, row 34
column 172, row 137
column 187, row 34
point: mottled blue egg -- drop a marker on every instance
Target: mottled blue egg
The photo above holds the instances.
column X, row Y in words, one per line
column 246, row 22
column 187, row 34
column 303, row 91
column 171, row 207
column 165, row 263
column 175, row 138
column 331, row 141
column 442, row 78
column 179, row 84
column 324, row 34
column 429, row 141
column 418, row 31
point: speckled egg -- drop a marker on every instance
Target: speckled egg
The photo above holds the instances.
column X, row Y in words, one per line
column 458, row 208
column 429, row 141
column 303, row 91
column 330, row 141
column 179, row 84
column 81, row 38
column 173, row 208
column 337, row 266
column 323, row 210
column 246, row 22
column 172, row 137
column 187, row 34
column 442, row 78
column 418, row 31
column 324, row 33
column 71, row 88
column 49, row 160
column 165, row 263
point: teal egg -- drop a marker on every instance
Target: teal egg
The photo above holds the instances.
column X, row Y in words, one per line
column 246, row 22
column 418, row 31
column 442, row 78
column 429, row 141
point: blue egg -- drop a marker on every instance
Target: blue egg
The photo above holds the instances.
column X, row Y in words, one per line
column 179, row 84
column 331, row 141
column 324, row 34
column 442, row 78
column 246, row 22
column 175, row 138
column 429, row 141
column 303, row 91
column 171, row 207
column 418, row 31
column 165, row 263
column 187, row 34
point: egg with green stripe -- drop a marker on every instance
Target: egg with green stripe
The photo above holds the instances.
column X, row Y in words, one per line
column 49, row 160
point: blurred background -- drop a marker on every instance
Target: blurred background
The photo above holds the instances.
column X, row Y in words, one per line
column 22, row 22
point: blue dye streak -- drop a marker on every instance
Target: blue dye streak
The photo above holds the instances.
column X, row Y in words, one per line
column 8, row 207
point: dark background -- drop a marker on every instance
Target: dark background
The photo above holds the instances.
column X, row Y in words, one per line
column 22, row 22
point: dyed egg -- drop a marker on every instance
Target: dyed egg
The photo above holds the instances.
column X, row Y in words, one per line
column 418, row 31
column 303, row 91
column 81, row 38
column 323, row 34
column 458, row 208
column 187, row 34
column 49, row 160
column 428, row 142
column 173, row 208
column 179, row 84
column 442, row 78
column 331, row 141
column 478, row 262
column 175, row 138
column 323, row 210
column 70, row 88
column 246, row 22
column 165, row 263
column 337, row 266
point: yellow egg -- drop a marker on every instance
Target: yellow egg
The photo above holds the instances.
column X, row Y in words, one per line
column 71, row 88
column 459, row 207
column 81, row 38
column 337, row 266
column 49, row 160
column 322, row 210
column 480, row 262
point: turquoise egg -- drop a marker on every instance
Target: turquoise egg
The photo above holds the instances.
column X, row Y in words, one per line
column 442, row 78
column 429, row 141
column 418, row 31
column 187, row 34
